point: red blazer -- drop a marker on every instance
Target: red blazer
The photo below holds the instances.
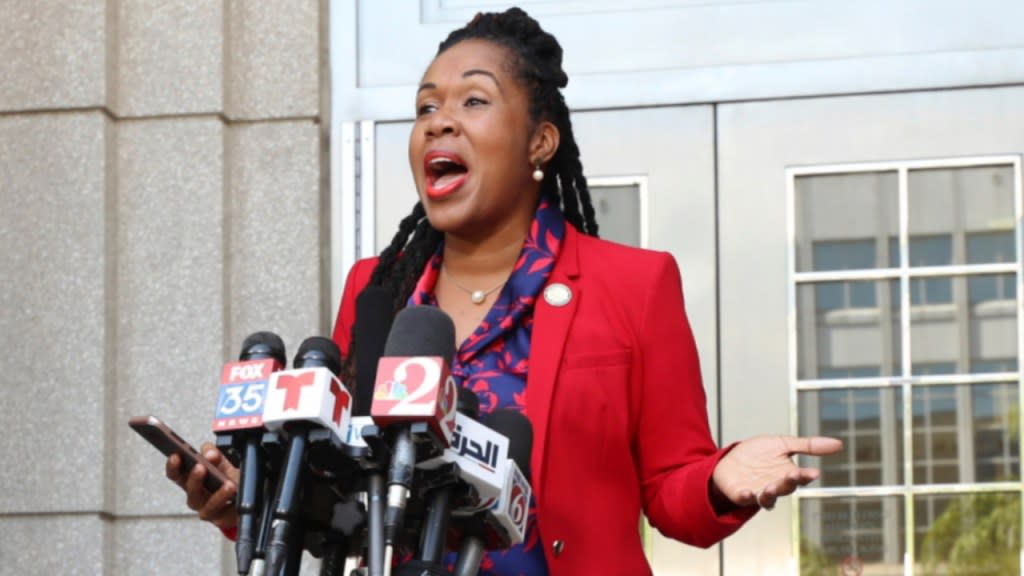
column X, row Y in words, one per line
column 615, row 398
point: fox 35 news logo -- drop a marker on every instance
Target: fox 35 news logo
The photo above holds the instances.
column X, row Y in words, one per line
column 242, row 391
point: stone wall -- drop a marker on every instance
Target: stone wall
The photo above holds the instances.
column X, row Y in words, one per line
column 162, row 195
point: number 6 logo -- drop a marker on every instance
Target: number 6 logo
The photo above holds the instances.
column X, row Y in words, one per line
column 517, row 504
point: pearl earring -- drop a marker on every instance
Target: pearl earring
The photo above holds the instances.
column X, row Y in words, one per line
column 538, row 174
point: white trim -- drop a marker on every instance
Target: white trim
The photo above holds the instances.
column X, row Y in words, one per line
column 346, row 234
column 1018, row 203
column 909, row 164
column 905, row 359
column 900, row 490
column 367, row 189
column 897, row 273
column 343, row 42
column 888, row 382
column 792, row 352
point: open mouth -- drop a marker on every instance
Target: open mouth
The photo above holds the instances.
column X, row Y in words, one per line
column 445, row 173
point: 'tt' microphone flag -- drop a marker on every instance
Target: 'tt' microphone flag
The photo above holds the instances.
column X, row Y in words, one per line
column 313, row 395
column 299, row 400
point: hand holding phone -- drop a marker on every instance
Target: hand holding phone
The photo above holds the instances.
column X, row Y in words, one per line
column 168, row 442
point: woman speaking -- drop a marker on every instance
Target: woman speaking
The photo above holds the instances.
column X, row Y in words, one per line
column 588, row 338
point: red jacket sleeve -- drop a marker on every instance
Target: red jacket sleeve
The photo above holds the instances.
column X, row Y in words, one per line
column 358, row 278
column 675, row 453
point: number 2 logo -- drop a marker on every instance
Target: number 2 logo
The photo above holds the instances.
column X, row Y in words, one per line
column 417, row 391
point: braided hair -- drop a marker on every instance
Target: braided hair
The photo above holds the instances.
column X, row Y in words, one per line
column 536, row 61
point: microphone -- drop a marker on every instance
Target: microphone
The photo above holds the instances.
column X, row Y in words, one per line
column 243, row 388
column 298, row 400
column 480, row 455
column 442, row 499
column 466, row 479
column 504, row 523
column 516, row 427
column 374, row 317
column 238, row 425
column 509, row 514
column 414, row 398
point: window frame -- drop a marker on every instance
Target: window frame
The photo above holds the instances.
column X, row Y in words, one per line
column 905, row 381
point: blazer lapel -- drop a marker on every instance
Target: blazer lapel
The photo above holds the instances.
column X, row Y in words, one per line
column 550, row 330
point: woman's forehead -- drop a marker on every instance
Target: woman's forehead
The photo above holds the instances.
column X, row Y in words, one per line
column 469, row 55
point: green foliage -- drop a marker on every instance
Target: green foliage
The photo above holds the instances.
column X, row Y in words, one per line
column 976, row 534
column 814, row 561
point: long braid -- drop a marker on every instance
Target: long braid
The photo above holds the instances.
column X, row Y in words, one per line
column 399, row 267
column 407, row 271
column 536, row 58
column 394, row 249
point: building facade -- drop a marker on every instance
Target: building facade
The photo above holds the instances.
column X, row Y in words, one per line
column 840, row 183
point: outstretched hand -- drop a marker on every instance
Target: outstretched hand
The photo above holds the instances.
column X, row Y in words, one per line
column 759, row 470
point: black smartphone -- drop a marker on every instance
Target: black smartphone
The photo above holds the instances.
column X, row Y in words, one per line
column 168, row 442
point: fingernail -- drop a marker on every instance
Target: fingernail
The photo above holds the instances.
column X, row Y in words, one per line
column 210, row 454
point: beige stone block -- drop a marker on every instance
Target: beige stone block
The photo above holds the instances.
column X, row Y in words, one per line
column 169, row 57
column 272, row 59
column 170, row 546
column 275, row 238
column 52, row 329
column 72, row 545
column 52, row 54
column 170, row 315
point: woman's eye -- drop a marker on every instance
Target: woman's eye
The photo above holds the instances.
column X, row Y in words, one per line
column 425, row 109
column 474, row 101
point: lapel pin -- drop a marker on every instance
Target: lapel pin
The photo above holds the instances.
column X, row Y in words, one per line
column 557, row 294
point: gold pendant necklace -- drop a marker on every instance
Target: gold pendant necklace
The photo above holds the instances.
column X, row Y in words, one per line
column 475, row 296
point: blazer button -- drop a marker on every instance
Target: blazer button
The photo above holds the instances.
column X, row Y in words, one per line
column 556, row 548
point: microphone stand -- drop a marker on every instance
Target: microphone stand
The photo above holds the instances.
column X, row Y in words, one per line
column 472, row 550
column 283, row 552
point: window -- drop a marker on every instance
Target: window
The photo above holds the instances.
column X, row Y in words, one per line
column 906, row 347
column 844, row 255
column 926, row 251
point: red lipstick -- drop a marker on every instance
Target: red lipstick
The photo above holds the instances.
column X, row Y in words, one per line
column 445, row 173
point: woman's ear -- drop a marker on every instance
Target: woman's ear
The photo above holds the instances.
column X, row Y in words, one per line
column 544, row 142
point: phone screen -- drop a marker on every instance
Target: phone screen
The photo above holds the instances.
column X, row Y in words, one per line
column 168, row 442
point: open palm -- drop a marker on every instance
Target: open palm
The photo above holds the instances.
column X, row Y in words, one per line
column 760, row 469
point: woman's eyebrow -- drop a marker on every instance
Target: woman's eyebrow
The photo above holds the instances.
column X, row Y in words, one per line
column 478, row 71
column 466, row 74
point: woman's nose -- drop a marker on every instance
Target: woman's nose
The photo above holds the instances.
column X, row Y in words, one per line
column 441, row 122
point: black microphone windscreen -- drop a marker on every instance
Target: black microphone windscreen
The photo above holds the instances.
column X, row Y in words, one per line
column 516, row 427
column 374, row 315
column 422, row 331
column 259, row 345
column 318, row 351
column 468, row 403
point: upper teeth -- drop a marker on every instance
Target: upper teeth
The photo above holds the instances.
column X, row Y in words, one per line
column 439, row 160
